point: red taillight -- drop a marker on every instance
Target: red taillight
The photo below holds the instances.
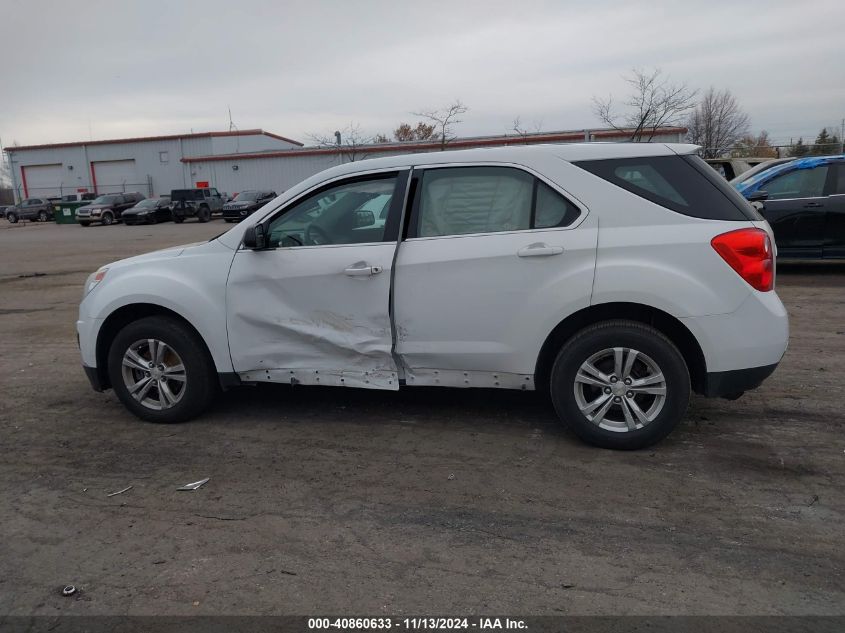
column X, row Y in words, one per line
column 749, row 253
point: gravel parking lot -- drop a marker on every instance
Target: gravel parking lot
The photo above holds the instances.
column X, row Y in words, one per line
column 423, row 501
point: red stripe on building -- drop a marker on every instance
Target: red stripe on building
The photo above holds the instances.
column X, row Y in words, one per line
column 23, row 180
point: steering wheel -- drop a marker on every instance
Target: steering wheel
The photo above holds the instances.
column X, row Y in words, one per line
column 316, row 236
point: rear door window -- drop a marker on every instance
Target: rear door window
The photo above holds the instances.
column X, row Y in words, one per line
column 685, row 184
column 478, row 200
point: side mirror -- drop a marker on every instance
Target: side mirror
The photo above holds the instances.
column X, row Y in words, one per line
column 255, row 238
column 364, row 218
column 758, row 196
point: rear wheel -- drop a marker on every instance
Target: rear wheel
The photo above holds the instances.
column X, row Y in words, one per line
column 620, row 384
column 178, row 219
column 42, row 216
column 204, row 214
column 161, row 370
column 12, row 218
column 108, row 218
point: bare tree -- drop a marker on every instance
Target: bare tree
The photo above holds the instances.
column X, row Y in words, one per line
column 348, row 140
column 655, row 101
column 422, row 132
column 444, row 119
column 518, row 127
column 717, row 123
column 756, row 146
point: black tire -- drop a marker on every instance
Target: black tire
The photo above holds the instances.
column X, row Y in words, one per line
column 108, row 218
column 651, row 344
column 12, row 218
column 84, row 224
column 201, row 383
column 178, row 219
column 204, row 214
column 42, row 216
column 229, row 220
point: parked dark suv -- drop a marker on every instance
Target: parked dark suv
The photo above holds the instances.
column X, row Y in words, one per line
column 107, row 208
column 195, row 203
column 246, row 203
column 31, row 209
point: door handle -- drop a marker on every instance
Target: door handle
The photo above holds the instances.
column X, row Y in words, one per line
column 357, row 270
column 539, row 249
column 813, row 205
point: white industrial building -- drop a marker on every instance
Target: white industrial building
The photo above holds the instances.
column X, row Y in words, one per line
column 152, row 165
column 230, row 161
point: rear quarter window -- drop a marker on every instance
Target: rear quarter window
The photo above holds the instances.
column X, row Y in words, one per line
column 684, row 184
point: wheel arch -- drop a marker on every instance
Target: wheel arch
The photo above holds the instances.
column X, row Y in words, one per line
column 122, row 317
column 669, row 325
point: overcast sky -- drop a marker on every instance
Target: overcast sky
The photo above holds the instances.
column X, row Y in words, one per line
column 79, row 69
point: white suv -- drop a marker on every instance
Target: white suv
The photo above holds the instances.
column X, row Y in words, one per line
column 618, row 277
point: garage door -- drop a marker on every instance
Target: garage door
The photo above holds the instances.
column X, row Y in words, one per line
column 42, row 181
column 115, row 176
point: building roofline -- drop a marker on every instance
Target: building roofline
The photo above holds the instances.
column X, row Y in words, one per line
column 461, row 143
column 149, row 139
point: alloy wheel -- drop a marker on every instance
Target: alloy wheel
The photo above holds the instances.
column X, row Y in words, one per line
column 154, row 374
column 620, row 389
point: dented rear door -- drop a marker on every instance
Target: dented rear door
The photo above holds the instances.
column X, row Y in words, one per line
column 314, row 309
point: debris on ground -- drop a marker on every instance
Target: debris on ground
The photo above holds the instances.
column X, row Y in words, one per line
column 119, row 492
column 68, row 590
column 451, row 476
column 194, row 485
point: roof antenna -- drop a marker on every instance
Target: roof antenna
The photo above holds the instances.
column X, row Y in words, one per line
column 232, row 126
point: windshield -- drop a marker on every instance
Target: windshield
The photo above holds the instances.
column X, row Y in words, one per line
column 105, row 200
column 146, row 204
column 248, row 196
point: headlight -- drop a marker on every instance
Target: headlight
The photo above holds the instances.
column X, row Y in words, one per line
column 93, row 280
column 96, row 212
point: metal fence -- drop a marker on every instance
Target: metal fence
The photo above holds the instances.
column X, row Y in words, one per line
column 145, row 188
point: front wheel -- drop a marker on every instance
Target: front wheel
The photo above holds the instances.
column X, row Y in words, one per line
column 42, row 216
column 178, row 219
column 161, row 370
column 108, row 218
column 12, row 218
column 204, row 214
column 620, row 384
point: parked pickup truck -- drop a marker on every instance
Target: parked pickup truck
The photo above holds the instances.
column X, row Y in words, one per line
column 195, row 203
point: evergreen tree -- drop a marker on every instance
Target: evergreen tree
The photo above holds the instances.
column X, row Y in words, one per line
column 823, row 144
column 798, row 149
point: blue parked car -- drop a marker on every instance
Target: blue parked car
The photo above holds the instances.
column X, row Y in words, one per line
column 804, row 202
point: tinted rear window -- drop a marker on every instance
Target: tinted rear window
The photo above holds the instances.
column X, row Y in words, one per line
column 186, row 194
column 685, row 184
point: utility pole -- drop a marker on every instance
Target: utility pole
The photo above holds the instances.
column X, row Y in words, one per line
column 842, row 137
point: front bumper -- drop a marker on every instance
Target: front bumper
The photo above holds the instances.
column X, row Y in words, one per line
column 236, row 214
column 137, row 219
column 94, row 378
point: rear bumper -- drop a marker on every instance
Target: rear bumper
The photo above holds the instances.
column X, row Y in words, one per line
column 730, row 383
column 755, row 335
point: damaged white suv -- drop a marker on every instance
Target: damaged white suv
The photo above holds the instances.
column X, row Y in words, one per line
column 618, row 277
